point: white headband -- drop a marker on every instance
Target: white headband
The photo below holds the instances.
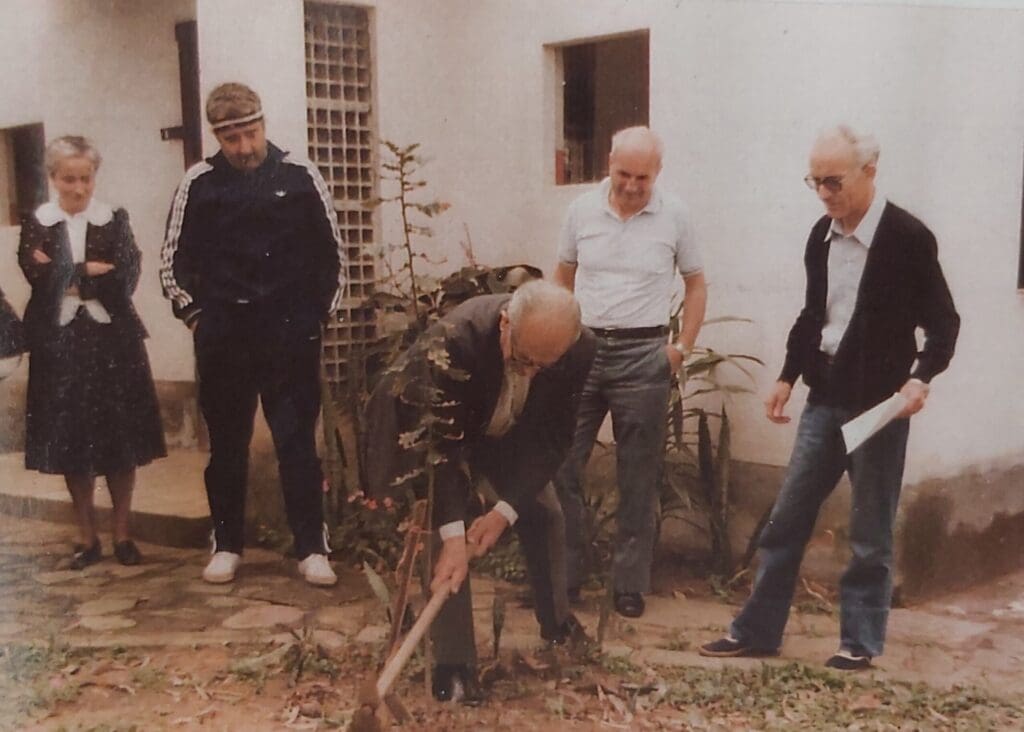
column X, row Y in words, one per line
column 257, row 115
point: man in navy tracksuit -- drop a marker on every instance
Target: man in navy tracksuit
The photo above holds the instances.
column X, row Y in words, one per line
column 252, row 262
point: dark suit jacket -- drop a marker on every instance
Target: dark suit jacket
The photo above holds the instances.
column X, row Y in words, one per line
column 902, row 288
column 112, row 242
column 520, row 463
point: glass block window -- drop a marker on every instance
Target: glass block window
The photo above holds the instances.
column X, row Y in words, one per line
column 342, row 139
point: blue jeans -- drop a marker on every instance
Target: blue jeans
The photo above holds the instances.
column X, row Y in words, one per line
column 818, row 461
column 629, row 378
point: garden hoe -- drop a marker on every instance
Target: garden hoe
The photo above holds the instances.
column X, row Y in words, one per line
column 365, row 719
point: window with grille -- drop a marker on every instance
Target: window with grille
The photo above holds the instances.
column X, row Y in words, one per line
column 342, row 139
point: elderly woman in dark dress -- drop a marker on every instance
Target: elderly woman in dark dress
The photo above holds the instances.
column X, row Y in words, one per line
column 92, row 407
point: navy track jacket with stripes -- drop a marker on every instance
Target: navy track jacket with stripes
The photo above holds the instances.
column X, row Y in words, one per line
column 267, row 236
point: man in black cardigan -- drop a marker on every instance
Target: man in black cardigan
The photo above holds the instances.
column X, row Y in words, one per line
column 873, row 278
column 499, row 379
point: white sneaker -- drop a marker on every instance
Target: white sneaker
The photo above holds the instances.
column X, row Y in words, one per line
column 222, row 567
column 317, row 570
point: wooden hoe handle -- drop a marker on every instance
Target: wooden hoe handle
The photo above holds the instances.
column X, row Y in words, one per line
column 397, row 662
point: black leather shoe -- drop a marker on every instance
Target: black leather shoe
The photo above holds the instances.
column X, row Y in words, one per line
column 571, row 634
column 729, row 647
column 127, row 553
column 84, row 556
column 456, row 682
column 629, row 604
column 846, row 661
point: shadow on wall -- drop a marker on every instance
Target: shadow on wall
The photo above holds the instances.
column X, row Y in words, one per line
column 178, row 409
column 941, row 547
column 12, row 415
column 951, row 533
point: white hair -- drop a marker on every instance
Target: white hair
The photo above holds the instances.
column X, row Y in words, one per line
column 637, row 137
column 71, row 146
column 547, row 299
column 865, row 147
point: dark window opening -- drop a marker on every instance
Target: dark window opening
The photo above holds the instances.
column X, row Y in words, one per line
column 1020, row 265
column 605, row 87
column 22, row 172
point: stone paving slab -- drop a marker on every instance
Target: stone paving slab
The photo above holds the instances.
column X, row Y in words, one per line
column 265, row 616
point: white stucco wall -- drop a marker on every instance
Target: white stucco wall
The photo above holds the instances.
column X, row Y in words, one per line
column 108, row 70
column 738, row 90
column 259, row 43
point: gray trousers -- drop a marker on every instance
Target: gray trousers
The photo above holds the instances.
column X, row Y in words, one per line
column 630, row 378
column 541, row 531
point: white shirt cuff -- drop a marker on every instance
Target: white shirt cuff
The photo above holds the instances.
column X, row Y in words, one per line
column 452, row 529
column 69, row 308
column 506, row 511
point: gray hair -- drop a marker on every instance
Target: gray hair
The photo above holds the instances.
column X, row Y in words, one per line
column 544, row 298
column 71, row 146
column 637, row 137
column 865, row 147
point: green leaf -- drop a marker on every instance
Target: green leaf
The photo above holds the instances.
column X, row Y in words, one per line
column 380, row 589
column 704, row 451
column 726, row 319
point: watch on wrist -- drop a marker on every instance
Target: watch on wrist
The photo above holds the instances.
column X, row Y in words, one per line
column 681, row 349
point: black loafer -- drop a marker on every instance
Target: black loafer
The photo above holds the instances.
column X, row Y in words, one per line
column 629, row 604
column 571, row 633
column 85, row 556
column 845, row 661
column 731, row 648
column 456, row 682
column 127, row 553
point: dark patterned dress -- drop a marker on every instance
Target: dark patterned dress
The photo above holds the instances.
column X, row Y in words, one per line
column 92, row 407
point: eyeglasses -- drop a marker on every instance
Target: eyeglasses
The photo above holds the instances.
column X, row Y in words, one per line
column 526, row 364
column 832, row 183
column 521, row 363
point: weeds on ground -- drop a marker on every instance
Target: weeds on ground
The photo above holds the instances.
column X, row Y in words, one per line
column 618, row 665
column 25, row 680
column 504, row 561
column 675, row 642
column 802, row 697
column 300, row 658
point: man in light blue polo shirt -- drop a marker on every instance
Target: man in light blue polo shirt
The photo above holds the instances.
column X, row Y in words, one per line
column 621, row 248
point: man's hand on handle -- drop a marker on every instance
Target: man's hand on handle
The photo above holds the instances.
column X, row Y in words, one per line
column 452, row 565
column 485, row 532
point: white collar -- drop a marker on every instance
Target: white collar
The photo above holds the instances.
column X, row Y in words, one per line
column 865, row 231
column 653, row 205
column 96, row 213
